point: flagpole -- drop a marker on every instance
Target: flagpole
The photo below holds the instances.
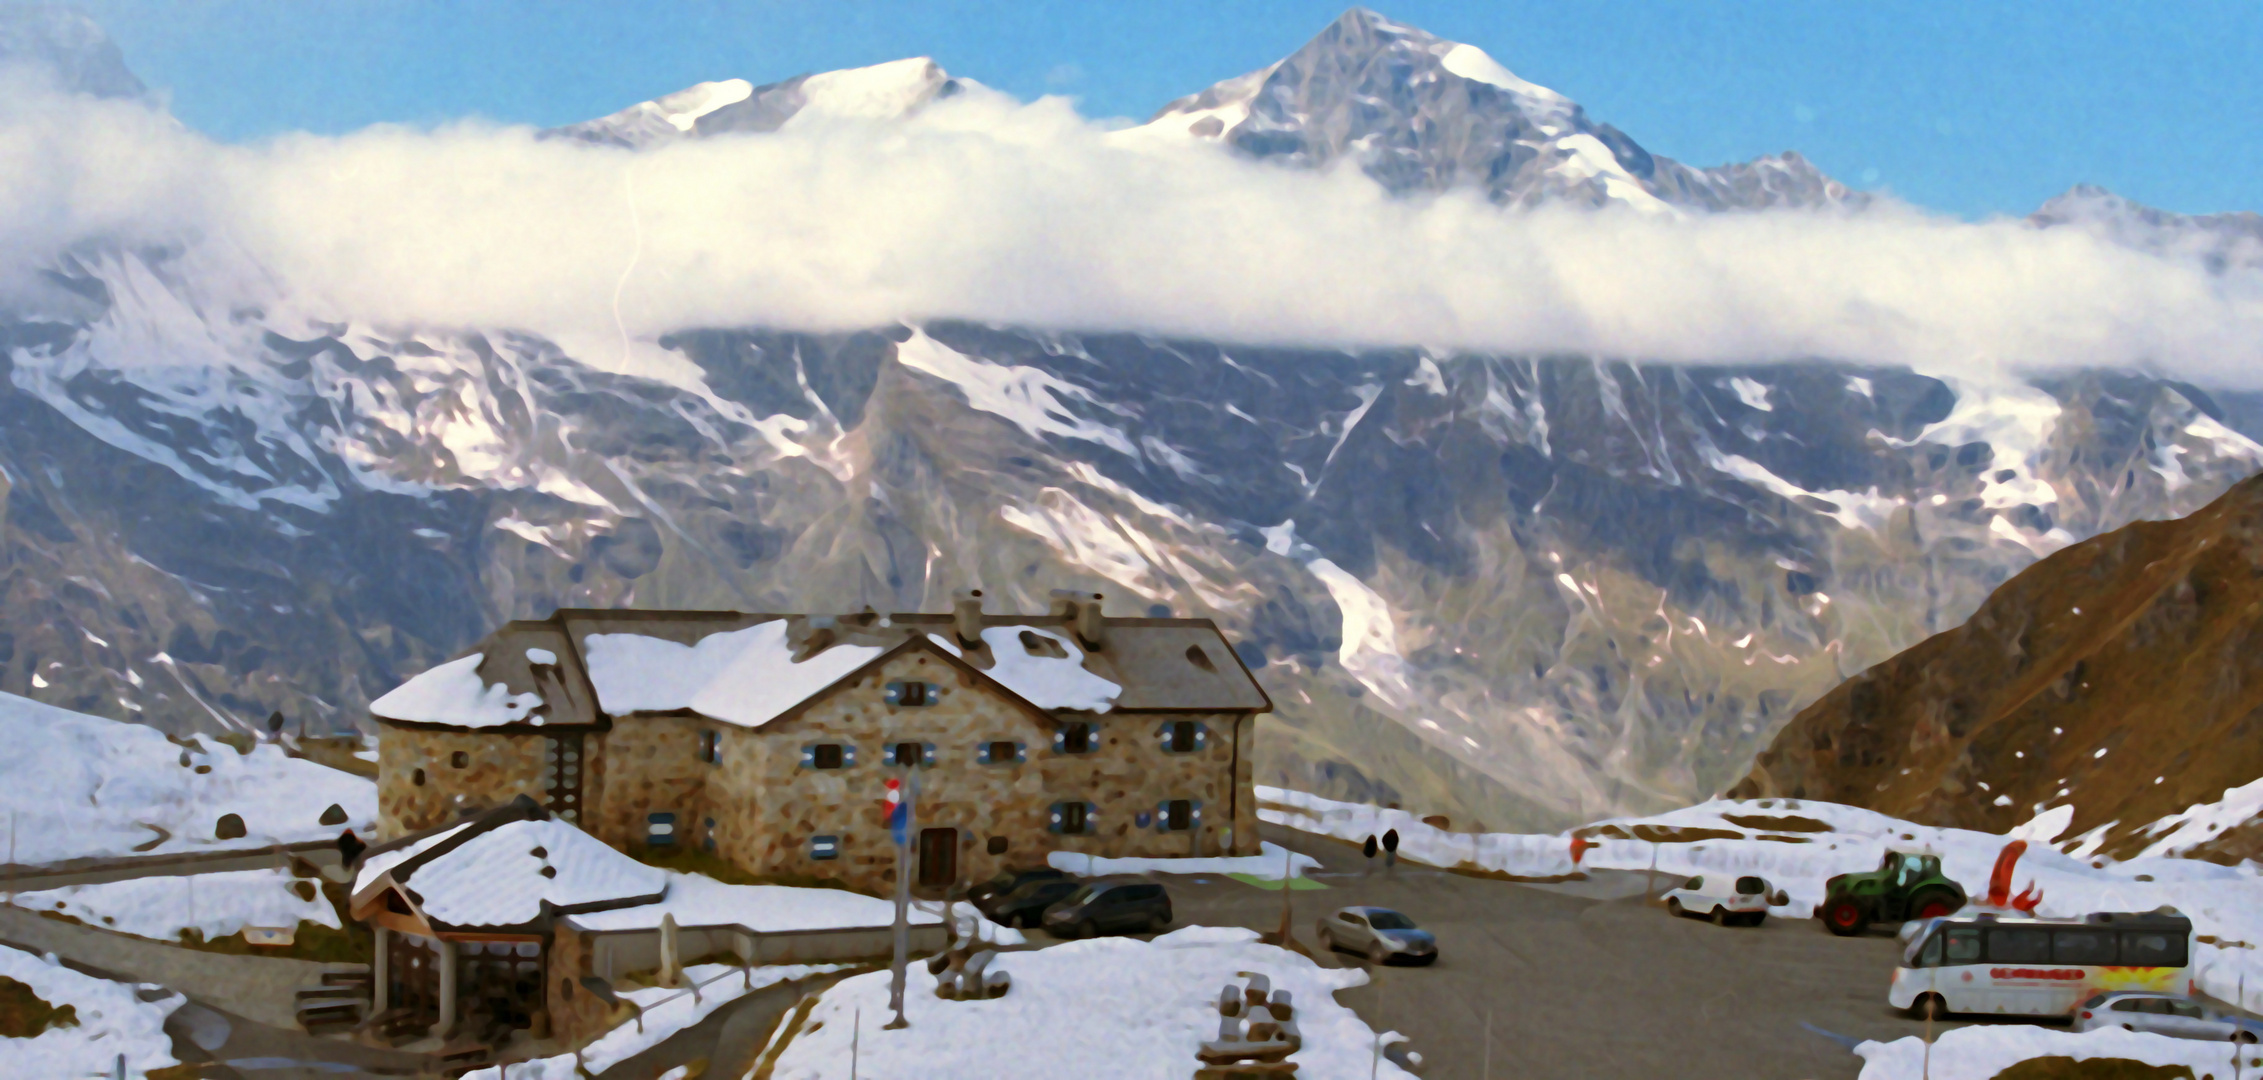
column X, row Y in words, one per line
column 901, row 820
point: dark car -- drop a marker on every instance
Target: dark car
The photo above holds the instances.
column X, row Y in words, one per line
column 1010, row 881
column 1102, row 907
column 1026, row 905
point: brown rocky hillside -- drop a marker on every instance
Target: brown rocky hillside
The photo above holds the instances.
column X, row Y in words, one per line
column 2122, row 675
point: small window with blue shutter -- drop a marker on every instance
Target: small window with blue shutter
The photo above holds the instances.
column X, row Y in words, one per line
column 711, row 747
column 1075, row 737
column 1001, row 752
column 824, row 847
column 1183, row 736
column 660, row 830
column 828, row 756
column 913, row 694
column 1178, row 815
column 1072, row 818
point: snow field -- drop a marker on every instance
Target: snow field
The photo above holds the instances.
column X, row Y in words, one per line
column 161, row 907
column 1270, row 862
column 2224, row 903
column 112, row 1020
column 79, row 786
column 1100, row 1009
column 1980, row 1052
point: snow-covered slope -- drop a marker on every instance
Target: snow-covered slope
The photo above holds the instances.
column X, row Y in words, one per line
column 1103, row 1008
column 112, row 1019
column 77, row 786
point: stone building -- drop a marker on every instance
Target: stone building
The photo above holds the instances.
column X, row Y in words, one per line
column 767, row 739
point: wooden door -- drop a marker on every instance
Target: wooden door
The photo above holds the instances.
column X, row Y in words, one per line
column 938, row 858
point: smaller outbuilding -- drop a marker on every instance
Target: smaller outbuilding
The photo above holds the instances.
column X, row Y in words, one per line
column 514, row 920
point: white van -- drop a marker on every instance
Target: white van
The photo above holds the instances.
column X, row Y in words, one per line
column 2040, row 967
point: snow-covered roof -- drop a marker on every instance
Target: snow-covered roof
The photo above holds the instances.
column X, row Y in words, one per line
column 508, row 867
column 1045, row 667
column 580, row 667
column 378, row 860
column 762, row 909
column 746, row 677
column 454, row 694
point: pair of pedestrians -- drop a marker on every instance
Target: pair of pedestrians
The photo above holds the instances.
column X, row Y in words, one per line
column 1390, row 850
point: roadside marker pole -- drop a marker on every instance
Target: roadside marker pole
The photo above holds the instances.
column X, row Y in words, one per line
column 856, row 1035
column 1375, row 1063
column 1487, row 1074
column 1927, row 1073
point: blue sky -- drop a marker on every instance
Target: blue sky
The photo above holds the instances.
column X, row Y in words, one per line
column 1974, row 108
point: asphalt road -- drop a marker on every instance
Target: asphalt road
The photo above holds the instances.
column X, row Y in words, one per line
column 1585, row 980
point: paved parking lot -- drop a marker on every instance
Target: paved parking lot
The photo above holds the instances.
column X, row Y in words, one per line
column 1584, row 979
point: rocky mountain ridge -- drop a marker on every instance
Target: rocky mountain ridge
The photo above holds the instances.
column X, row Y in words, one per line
column 2116, row 681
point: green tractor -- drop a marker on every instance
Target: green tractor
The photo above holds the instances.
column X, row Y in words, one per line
column 1905, row 886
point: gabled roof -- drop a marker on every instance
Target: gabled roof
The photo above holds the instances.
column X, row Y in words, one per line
column 750, row 669
column 513, row 867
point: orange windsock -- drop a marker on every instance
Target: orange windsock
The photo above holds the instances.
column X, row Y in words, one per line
column 1580, row 844
column 2000, row 882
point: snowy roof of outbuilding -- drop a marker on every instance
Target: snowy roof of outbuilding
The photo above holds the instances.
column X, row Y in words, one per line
column 697, row 901
column 509, row 868
column 582, row 666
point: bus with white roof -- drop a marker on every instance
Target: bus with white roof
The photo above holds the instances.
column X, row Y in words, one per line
column 1986, row 963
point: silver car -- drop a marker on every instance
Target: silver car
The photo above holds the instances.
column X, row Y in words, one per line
column 1380, row 934
column 2166, row 1014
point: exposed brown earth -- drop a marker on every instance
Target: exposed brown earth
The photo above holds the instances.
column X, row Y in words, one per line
column 2123, row 675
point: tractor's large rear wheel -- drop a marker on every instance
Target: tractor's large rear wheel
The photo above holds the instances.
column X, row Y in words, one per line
column 1845, row 918
column 1932, row 905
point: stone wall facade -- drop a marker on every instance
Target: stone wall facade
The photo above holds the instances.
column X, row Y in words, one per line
column 761, row 802
column 646, row 765
column 420, row 784
column 575, row 1013
column 768, row 804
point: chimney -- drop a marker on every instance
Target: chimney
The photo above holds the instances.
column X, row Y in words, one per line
column 816, row 637
column 1091, row 630
column 1064, row 604
column 966, row 617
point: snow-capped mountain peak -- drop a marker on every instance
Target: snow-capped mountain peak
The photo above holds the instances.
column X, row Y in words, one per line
column 1420, row 113
column 879, row 92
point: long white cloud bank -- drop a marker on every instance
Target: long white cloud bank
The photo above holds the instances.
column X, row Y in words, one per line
column 985, row 208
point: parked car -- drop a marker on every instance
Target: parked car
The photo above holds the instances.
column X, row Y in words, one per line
column 1010, row 881
column 1026, row 905
column 1110, row 907
column 2166, row 1014
column 1724, row 898
column 1906, row 885
column 1381, row 934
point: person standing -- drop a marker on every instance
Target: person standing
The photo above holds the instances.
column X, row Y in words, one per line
column 1390, row 850
column 1368, row 849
